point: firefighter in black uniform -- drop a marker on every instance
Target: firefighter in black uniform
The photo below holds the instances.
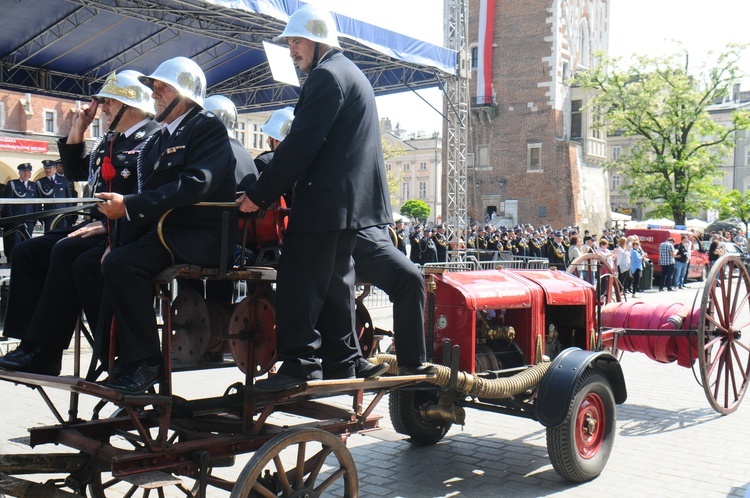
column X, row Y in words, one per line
column 53, row 186
column 21, row 188
column 59, row 273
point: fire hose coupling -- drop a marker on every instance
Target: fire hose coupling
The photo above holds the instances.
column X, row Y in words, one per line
column 473, row 385
column 445, row 410
column 676, row 321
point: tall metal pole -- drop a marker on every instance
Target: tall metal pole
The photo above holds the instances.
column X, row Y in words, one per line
column 457, row 99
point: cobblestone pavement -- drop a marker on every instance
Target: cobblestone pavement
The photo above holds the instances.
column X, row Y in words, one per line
column 669, row 442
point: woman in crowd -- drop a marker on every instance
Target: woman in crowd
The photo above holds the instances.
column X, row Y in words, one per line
column 636, row 266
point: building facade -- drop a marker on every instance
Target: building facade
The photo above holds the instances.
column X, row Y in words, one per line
column 533, row 155
column 415, row 165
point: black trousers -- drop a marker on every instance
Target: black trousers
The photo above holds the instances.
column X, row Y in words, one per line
column 378, row 262
column 128, row 273
column 11, row 240
column 46, row 293
column 315, row 305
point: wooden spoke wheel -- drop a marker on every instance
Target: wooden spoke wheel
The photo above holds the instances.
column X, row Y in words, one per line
column 593, row 267
column 723, row 351
column 580, row 447
column 299, row 463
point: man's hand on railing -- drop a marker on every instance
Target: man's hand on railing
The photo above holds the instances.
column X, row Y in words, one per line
column 89, row 230
column 113, row 206
column 246, row 205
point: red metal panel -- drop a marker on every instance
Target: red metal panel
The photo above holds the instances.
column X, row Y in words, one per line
column 460, row 295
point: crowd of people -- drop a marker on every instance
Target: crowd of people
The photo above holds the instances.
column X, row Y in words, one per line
column 561, row 247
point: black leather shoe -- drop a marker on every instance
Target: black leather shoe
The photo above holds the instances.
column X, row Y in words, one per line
column 136, row 378
column 39, row 361
column 423, row 369
column 278, row 382
column 367, row 370
column 16, row 353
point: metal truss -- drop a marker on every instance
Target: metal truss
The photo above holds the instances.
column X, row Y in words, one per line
column 457, row 98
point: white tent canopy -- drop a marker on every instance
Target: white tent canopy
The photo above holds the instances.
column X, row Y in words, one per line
column 696, row 224
column 620, row 217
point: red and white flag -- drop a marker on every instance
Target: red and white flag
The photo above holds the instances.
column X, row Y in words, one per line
column 484, row 52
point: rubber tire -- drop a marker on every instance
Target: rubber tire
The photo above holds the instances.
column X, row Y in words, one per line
column 561, row 440
column 403, row 406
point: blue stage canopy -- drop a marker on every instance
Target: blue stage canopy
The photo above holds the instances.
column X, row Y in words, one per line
column 68, row 47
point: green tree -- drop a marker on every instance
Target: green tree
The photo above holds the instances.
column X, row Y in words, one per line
column 414, row 208
column 394, row 182
column 735, row 204
column 679, row 148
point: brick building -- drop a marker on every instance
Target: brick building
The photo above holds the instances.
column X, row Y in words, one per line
column 533, row 158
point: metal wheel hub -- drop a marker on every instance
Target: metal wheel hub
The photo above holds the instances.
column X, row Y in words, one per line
column 590, row 433
column 304, row 493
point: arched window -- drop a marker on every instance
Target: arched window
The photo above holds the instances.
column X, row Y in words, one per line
column 584, row 47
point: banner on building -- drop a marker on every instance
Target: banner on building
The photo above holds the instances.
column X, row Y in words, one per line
column 22, row 145
column 485, row 94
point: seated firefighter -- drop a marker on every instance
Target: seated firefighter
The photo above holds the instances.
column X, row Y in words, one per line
column 190, row 161
column 55, row 275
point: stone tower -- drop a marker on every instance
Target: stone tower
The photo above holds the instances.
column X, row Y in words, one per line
column 534, row 156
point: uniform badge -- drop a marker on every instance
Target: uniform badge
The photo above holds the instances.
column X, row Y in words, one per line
column 140, row 134
column 125, row 173
column 121, row 157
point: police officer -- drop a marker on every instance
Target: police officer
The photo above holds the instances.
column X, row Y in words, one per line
column 53, row 186
column 21, row 188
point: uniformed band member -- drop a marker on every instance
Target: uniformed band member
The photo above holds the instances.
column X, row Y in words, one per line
column 53, row 186
column 401, row 236
column 190, row 161
column 556, row 253
column 57, row 274
column 21, row 188
column 441, row 243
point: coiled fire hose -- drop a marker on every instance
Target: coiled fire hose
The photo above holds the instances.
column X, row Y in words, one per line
column 473, row 385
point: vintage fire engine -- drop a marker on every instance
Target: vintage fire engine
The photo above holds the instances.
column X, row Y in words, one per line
column 539, row 344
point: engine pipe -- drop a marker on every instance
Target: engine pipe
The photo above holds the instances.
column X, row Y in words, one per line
column 473, row 385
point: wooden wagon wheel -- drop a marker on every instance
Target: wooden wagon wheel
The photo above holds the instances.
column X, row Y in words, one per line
column 593, row 266
column 142, row 485
column 292, row 464
column 724, row 354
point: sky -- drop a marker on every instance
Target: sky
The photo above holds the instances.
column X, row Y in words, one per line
column 644, row 27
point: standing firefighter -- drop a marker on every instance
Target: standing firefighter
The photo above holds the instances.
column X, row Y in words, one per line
column 333, row 154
